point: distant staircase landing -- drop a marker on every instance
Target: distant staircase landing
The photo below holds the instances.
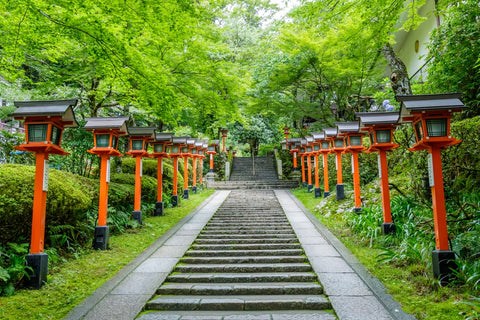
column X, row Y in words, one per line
column 253, row 173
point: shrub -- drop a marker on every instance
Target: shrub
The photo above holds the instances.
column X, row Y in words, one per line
column 12, row 267
column 149, row 185
column 68, row 198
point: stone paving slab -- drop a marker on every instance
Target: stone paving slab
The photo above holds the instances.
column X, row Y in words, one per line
column 252, row 315
column 353, row 292
column 126, row 293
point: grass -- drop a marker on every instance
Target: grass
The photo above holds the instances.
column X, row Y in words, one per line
column 417, row 292
column 72, row 281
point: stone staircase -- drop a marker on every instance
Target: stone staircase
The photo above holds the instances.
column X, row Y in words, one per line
column 247, row 263
column 258, row 173
column 248, row 169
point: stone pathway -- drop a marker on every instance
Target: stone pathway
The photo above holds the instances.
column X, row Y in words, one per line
column 248, row 259
column 261, row 256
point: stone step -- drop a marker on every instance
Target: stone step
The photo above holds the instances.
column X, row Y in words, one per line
column 247, row 228
column 244, row 267
column 239, row 302
column 253, row 277
column 244, row 259
column 245, row 241
column 253, row 246
column 239, row 315
column 247, row 232
column 246, row 224
column 249, row 236
column 216, row 253
column 275, row 288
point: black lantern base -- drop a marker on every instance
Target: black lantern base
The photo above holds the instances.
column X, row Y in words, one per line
column 38, row 276
column 194, row 189
column 309, row 188
column 317, row 192
column 340, row 192
column 211, row 170
column 158, row 209
column 443, row 263
column 388, row 228
column 326, row 194
column 357, row 210
column 175, row 201
column 137, row 216
column 102, row 236
column 185, row 194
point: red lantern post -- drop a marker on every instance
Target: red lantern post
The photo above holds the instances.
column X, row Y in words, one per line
column 430, row 116
column 353, row 139
column 302, row 154
column 309, row 154
column 139, row 139
column 162, row 139
column 380, row 126
column 338, row 147
column 318, row 137
column 174, row 152
column 106, row 133
column 187, row 152
column 224, row 136
column 44, row 124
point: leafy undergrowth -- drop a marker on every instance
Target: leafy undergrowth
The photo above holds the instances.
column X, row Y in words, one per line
column 69, row 282
column 402, row 263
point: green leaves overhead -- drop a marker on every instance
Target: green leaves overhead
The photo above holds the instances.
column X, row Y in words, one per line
column 154, row 55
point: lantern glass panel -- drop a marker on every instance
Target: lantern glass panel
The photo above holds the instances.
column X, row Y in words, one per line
column 418, row 130
column 355, row 141
column 436, row 127
column 338, row 143
column 200, row 152
column 158, row 147
column 37, row 132
column 316, row 147
column 325, row 145
column 194, row 151
column 309, row 149
column 384, row 136
column 174, row 149
column 211, row 148
column 56, row 134
column 114, row 141
column 103, row 140
column 137, row 144
column 184, row 149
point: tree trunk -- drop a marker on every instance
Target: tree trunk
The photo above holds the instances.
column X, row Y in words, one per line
column 399, row 77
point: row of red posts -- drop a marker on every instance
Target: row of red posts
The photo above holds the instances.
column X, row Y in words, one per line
column 430, row 116
column 44, row 125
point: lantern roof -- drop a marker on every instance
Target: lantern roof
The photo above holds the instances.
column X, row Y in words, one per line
column 179, row 140
column 348, row 127
column 199, row 143
column 119, row 123
column 318, row 135
column 303, row 142
column 330, row 132
column 164, row 136
column 141, row 132
column 376, row 118
column 429, row 102
column 191, row 141
column 63, row 108
column 309, row 139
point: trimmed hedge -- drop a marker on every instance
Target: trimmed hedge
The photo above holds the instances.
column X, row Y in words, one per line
column 69, row 197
